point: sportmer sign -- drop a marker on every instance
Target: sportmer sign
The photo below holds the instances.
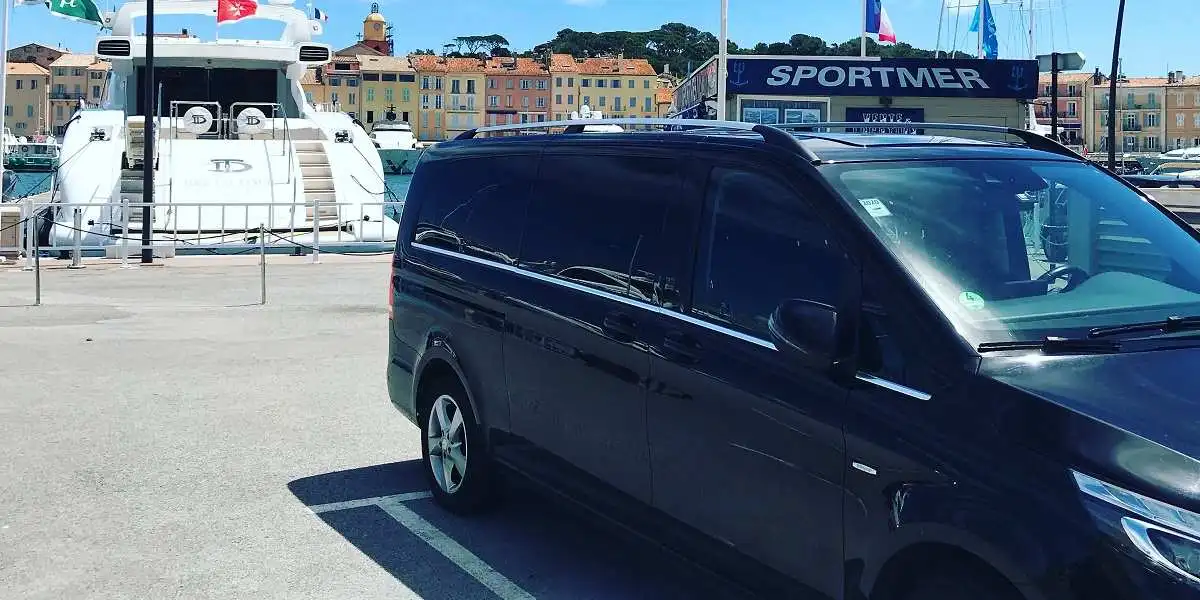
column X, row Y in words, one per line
column 914, row 77
column 1015, row 79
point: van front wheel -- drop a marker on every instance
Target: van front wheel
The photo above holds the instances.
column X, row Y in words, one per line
column 456, row 461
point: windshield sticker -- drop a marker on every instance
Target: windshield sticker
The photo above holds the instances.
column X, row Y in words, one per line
column 971, row 301
column 875, row 207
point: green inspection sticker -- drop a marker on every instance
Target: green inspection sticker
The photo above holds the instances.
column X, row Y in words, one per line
column 971, row 301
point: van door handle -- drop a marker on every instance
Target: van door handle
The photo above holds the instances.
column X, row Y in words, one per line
column 681, row 347
column 620, row 326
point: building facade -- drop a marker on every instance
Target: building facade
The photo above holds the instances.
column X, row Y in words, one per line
column 27, row 101
column 70, row 85
column 1183, row 112
column 431, row 105
column 1141, row 115
column 518, row 91
column 389, row 86
column 97, row 86
column 618, row 87
column 1072, row 88
column 564, row 86
column 466, row 81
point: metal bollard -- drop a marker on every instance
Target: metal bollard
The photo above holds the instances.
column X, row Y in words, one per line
column 262, row 260
column 27, row 212
column 77, row 253
column 37, row 271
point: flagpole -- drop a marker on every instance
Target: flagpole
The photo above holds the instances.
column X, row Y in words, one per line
column 863, row 41
column 982, row 24
column 723, row 63
column 937, row 50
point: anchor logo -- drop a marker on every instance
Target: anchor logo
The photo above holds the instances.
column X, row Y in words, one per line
column 1018, row 83
column 738, row 71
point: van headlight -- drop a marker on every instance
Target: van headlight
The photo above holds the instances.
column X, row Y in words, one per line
column 1167, row 535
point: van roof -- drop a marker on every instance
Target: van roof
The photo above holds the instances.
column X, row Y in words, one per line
column 818, row 147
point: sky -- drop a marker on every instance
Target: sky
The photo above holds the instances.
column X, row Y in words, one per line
column 1159, row 34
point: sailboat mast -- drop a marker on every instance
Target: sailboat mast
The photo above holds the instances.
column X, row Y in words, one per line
column 982, row 20
column 1032, row 29
column 937, row 51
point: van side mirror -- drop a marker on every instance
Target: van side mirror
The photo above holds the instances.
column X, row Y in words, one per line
column 805, row 331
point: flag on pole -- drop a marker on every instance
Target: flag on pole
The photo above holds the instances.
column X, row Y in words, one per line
column 991, row 46
column 878, row 22
column 229, row 11
column 84, row 11
column 320, row 15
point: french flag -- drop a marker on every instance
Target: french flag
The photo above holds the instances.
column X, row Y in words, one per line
column 320, row 15
column 878, row 22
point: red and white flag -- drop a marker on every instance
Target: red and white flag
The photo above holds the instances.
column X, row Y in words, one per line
column 229, row 11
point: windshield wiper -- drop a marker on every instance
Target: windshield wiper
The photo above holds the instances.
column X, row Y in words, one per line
column 1054, row 345
column 1169, row 325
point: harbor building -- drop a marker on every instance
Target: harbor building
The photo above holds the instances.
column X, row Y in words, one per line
column 69, row 86
column 797, row 89
column 1183, row 111
column 1072, row 87
column 466, row 81
column 1141, row 114
column 27, row 105
column 618, row 87
column 564, row 88
column 518, row 91
column 431, row 107
column 389, row 86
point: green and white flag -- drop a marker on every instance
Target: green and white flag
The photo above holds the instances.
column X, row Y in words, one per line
column 77, row 10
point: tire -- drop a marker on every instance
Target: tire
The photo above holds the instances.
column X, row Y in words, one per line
column 960, row 587
column 457, row 466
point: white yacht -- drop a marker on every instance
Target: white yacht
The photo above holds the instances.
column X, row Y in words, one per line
column 233, row 126
column 398, row 147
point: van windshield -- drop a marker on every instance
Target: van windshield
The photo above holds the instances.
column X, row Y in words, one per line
column 1014, row 250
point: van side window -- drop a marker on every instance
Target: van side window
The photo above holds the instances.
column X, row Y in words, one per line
column 761, row 247
column 478, row 206
column 615, row 223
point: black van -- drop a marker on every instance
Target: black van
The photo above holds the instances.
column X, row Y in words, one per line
column 822, row 363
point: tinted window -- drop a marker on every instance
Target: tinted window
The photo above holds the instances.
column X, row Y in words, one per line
column 762, row 247
column 615, row 223
column 474, row 205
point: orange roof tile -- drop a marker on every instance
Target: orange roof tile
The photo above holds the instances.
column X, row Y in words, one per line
column 1143, row 82
column 100, row 65
column 1065, row 77
column 395, row 64
column 516, row 66
column 617, row 66
column 21, row 68
column 664, row 96
column 427, row 63
column 74, row 60
column 464, row 65
column 563, row 63
column 310, row 77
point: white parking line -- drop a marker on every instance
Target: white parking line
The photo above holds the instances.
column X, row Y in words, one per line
column 464, row 559
column 363, row 502
column 455, row 552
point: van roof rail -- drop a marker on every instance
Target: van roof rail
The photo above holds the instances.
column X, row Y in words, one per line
column 1031, row 139
column 771, row 135
column 779, row 134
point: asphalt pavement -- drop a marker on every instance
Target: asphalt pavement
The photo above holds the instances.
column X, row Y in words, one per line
column 165, row 436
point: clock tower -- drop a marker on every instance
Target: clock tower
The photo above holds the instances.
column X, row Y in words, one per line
column 377, row 34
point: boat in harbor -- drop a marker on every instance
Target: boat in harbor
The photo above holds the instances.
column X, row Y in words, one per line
column 37, row 153
column 232, row 127
column 398, row 147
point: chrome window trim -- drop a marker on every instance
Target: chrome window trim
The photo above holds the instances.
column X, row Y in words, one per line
column 600, row 293
column 893, row 386
column 1176, row 519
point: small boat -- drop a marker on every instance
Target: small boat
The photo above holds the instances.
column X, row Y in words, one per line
column 398, row 147
column 38, row 154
